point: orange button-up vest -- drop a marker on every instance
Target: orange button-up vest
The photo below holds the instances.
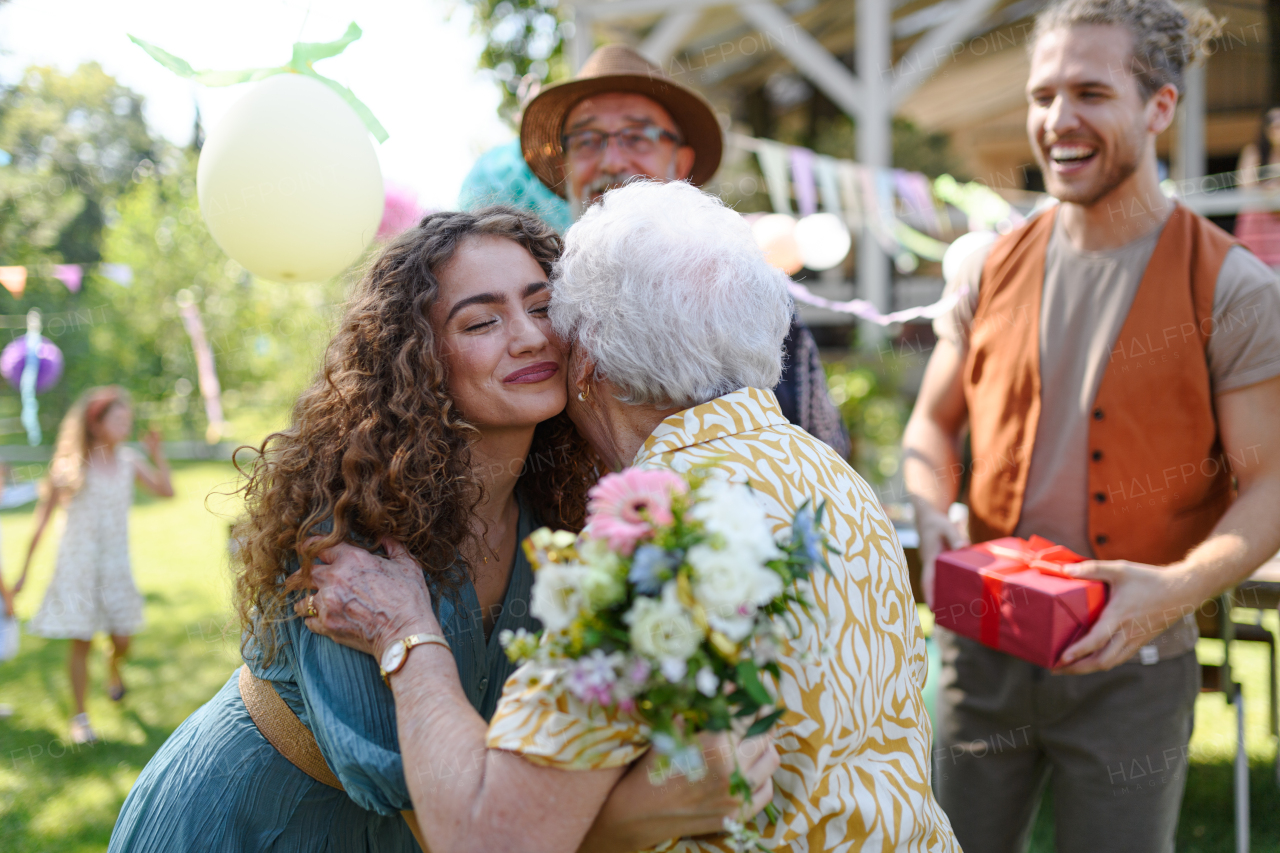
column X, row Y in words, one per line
column 1158, row 480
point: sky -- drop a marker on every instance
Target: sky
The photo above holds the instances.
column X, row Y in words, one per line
column 415, row 67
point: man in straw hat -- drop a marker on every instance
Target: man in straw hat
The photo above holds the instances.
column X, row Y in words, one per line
column 623, row 118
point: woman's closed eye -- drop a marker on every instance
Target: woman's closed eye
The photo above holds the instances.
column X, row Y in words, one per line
column 479, row 326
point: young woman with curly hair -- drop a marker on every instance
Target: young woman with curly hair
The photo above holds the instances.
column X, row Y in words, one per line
column 436, row 429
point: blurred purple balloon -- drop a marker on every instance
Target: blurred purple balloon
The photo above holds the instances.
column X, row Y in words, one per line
column 14, row 357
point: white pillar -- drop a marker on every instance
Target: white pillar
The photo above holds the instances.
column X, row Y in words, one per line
column 875, row 148
column 1189, row 155
column 667, row 35
column 582, row 42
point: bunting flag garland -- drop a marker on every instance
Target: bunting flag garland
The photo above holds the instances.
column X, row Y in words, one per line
column 14, row 279
column 913, row 189
column 802, row 179
column 850, row 180
column 984, row 206
column 877, row 196
column 121, row 274
column 866, row 197
column 774, row 167
column 824, row 172
column 69, row 274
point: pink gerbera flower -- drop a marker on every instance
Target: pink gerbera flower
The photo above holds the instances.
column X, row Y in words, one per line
column 624, row 507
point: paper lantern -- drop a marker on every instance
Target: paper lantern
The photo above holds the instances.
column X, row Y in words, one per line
column 961, row 248
column 289, row 182
column 824, row 240
column 776, row 235
column 14, row 357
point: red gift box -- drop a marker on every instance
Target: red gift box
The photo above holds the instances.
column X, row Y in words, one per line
column 1010, row 595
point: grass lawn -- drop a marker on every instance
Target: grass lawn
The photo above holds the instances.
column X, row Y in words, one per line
column 55, row 798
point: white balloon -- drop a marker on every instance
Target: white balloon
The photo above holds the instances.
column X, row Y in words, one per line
column 289, row 182
column 961, row 248
column 824, row 240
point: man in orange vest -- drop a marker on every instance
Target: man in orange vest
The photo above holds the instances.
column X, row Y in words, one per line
column 1117, row 364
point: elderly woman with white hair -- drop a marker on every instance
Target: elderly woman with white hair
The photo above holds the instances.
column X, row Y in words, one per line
column 674, row 323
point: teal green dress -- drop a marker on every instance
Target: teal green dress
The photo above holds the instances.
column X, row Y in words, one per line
column 218, row 785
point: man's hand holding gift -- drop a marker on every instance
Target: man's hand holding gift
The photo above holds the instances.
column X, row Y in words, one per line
column 1144, row 602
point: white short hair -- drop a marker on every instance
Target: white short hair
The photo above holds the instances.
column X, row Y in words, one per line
column 667, row 291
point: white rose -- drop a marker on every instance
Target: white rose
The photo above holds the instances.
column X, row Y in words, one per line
column 736, row 628
column 732, row 511
column 662, row 629
column 717, row 577
column 730, row 582
column 557, row 594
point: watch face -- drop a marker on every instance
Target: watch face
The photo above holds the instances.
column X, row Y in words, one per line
column 393, row 657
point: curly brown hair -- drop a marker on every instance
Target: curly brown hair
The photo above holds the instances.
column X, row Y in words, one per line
column 376, row 444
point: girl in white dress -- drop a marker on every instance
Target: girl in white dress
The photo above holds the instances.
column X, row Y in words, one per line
column 92, row 590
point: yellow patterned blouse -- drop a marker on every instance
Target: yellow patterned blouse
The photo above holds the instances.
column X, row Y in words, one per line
column 855, row 740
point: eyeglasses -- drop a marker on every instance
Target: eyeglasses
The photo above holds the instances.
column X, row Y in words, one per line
column 591, row 144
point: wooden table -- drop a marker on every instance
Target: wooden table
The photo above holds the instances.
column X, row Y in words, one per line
column 1262, row 588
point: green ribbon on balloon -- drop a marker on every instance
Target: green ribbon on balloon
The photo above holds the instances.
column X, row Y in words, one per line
column 304, row 53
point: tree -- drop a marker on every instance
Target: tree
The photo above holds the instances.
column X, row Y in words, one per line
column 87, row 183
column 523, row 44
column 75, row 142
column 266, row 337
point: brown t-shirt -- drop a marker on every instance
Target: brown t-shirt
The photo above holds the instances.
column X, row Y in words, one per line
column 1086, row 298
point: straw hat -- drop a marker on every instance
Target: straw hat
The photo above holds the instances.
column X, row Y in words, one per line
column 617, row 68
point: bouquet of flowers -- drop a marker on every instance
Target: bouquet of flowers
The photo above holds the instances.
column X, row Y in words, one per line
column 669, row 605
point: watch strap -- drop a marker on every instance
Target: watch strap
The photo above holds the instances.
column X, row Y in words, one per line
column 410, row 642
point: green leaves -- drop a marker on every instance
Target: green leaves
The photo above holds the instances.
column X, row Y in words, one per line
column 749, row 680
column 765, row 723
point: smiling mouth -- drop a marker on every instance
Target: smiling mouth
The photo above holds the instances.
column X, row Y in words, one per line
column 1071, row 157
column 539, row 372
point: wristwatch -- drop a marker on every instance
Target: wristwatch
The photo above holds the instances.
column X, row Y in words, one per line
column 398, row 652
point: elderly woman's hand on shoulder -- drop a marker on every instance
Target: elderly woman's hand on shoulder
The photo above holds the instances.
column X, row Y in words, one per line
column 365, row 601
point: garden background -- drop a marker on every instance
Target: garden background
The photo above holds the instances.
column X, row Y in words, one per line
column 88, row 183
